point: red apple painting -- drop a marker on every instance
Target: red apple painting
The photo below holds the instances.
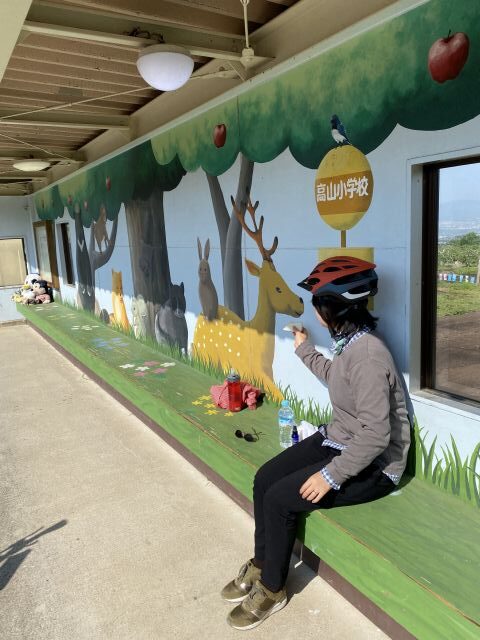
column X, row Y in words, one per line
column 219, row 135
column 447, row 56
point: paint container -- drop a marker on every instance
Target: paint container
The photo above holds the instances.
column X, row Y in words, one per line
column 234, row 389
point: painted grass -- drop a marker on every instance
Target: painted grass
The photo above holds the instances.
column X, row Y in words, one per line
column 450, row 473
column 309, row 410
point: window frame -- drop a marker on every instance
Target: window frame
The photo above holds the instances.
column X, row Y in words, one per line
column 52, row 254
column 429, row 281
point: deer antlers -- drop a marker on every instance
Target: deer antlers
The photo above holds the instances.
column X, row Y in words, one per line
column 256, row 234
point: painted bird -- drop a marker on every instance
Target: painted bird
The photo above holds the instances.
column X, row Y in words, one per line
column 338, row 131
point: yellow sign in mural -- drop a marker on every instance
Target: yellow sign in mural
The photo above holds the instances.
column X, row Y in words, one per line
column 343, row 187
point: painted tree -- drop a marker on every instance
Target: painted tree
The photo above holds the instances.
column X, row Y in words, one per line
column 92, row 197
column 195, row 141
column 374, row 81
column 146, row 231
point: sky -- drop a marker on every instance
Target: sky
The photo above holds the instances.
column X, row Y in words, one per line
column 460, row 183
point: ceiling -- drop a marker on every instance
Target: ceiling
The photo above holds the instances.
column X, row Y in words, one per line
column 70, row 90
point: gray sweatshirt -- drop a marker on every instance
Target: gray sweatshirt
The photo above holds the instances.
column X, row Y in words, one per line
column 369, row 410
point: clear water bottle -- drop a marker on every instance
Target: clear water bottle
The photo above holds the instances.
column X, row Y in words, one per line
column 286, row 420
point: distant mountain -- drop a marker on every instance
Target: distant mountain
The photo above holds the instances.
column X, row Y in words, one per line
column 459, row 211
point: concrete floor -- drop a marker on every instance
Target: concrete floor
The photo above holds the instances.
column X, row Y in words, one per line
column 107, row 533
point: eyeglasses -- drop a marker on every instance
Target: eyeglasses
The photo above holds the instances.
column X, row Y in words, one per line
column 247, row 436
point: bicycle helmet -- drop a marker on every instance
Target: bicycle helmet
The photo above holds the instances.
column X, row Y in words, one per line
column 343, row 277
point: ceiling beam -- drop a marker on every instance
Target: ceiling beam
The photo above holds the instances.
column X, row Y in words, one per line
column 197, row 44
column 21, row 153
column 22, row 54
column 58, row 31
column 12, row 16
column 21, row 176
column 146, row 13
column 65, row 120
column 41, row 67
column 258, row 12
column 88, row 87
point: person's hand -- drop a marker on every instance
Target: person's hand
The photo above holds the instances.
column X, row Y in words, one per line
column 314, row 488
column 299, row 337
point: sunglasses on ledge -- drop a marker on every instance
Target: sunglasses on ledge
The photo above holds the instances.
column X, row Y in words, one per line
column 249, row 437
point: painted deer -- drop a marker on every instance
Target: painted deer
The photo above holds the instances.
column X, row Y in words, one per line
column 248, row 346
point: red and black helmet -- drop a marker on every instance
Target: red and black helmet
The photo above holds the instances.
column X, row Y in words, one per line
column 349, row 279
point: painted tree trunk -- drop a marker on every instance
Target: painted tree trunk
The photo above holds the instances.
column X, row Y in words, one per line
column 233, row 271
column 222, row 216
column 99, row 259
column 86, row 286
column 230, row 233
column 149, row 254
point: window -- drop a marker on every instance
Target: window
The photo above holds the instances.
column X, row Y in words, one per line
column 67, row 266
column 13, row 266
column 451, row 279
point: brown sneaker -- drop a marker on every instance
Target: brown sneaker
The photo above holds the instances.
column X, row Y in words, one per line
column 238, row 589
column 260, row 603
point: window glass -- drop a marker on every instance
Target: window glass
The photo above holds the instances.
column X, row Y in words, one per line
column 43, row 255
column 13, row 267
column 457, row 335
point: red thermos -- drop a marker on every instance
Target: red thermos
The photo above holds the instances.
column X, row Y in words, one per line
column 234, row 389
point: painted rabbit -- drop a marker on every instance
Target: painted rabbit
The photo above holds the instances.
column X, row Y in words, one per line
column 206, row 289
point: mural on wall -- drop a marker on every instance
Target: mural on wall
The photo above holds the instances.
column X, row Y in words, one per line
column 436, row 86
column 155, row 295
column 247, row 346
column 119, row 316
column 343, row 192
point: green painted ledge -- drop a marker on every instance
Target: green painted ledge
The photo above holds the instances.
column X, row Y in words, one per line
column 415, row 554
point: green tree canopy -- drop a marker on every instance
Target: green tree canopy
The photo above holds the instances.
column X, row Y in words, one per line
column 463, row 250
column 108, row 184
column 373, row 81
column 48, row 204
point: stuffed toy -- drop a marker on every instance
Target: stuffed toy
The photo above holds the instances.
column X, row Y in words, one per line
column 17, row 296
column 30, row 279
column 28, row 296
column 40, row 290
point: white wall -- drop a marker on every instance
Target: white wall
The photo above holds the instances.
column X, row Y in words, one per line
column 15, row 223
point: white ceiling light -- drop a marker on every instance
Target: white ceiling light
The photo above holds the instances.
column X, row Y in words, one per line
column 31, row 165
column 165, row 67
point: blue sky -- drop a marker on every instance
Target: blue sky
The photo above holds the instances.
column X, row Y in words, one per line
column 460, row 183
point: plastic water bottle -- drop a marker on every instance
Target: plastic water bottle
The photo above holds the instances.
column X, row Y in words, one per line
column 286, row 420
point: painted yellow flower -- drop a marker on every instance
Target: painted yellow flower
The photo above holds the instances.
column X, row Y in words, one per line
column 210, row 405
column 196, row 402
column 228, row 414
column 210, row 412
column 205, row 398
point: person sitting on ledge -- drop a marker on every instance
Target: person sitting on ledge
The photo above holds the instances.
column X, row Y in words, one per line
column 358, row 457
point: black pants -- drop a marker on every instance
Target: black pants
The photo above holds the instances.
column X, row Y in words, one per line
column 278, row 503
